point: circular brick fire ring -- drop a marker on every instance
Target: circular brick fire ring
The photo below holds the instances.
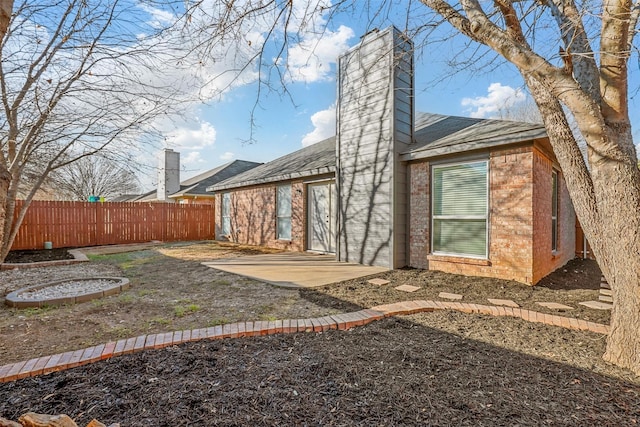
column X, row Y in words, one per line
column 68, row 291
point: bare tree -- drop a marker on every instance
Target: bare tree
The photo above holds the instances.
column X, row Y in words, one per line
column 77, row 78
column 526, row 111
column 5, row 16
column 571, row 55
column 93, row 176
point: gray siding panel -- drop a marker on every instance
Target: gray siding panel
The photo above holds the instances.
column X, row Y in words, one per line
column 375, row 109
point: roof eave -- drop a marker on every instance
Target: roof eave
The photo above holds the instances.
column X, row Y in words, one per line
column 426, row 152
column 277, row 178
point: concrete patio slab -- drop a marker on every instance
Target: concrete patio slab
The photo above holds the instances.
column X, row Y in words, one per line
column 294, row 269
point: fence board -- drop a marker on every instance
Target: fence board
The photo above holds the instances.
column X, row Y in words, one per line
column 582, row 244
column 78, row 224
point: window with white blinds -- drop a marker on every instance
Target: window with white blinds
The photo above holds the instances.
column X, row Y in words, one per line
column 226, row 214
column 460, row 206
column 283, row 202
column 554, row 211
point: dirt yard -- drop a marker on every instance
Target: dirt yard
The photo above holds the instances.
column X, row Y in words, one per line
column 443, row 368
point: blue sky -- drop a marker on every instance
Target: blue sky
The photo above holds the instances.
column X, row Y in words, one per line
column 214, row 133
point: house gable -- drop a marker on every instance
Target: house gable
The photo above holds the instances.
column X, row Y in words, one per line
column 383, row 160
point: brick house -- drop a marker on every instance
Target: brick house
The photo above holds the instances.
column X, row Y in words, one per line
column 396, row 188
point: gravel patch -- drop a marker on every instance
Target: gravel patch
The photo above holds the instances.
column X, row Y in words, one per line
column 11, row 280
column 67, row 289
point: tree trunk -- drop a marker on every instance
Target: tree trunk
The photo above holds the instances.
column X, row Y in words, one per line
column 607, row 202
column 6, row 7
column 617, row 184
column 6, row 217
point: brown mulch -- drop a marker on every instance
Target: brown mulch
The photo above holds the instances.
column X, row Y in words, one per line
column 391, row 372
column 26, row 256
column 576, row 282
column 443, row 368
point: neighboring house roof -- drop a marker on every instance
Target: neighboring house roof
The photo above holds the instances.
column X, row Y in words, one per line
column 316, row 159
column 125, row 198
column 435, row 135
column 197, row 186
column 145, row 197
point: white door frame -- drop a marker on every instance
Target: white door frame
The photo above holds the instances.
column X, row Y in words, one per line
column 330, row 245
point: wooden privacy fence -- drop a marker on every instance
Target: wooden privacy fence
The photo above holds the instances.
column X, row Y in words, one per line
column 583, row 248
column 77, row 224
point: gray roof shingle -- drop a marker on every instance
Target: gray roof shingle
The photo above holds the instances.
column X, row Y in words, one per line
column 316, row 159
column 438, row 135
column 198, row 184
column 435, row 135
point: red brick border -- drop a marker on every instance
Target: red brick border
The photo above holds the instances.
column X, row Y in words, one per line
column 343, row 321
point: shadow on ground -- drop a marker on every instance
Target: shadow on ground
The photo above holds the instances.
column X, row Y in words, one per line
column 391, row 372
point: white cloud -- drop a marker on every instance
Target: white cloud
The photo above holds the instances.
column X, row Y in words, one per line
column 324, row 123
column 191, row 159
column 227, row 155
column 498, row 98
column 159, row 18
column 311, row 59
column 196, row 138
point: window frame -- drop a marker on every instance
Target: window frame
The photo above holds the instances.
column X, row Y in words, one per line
column 486, row 215
column 555, row 198
column 225, row 214
column 287, row 217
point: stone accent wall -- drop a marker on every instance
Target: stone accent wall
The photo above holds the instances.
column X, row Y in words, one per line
column 253, row 216
column 419, row 214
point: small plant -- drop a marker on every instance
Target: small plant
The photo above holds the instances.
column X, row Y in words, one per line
column 35, row 311
column 126, row 260
column 97, row 303
column 121, row 331
column 145, row 292
column 160, row 321
column 126, row 298
column 218, row 321
column 181, row 310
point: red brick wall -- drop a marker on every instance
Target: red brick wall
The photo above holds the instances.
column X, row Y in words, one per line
column 545, row 261
column 510, row 221
column 253, row 216
column 519, row 220
column 419, row 214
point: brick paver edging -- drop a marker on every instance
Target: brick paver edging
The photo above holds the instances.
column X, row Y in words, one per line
column 71, row 359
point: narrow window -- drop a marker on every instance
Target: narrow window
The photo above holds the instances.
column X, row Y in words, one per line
column 226, row 214
column 460, row 201
column 554, row 211
column 283, row 203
